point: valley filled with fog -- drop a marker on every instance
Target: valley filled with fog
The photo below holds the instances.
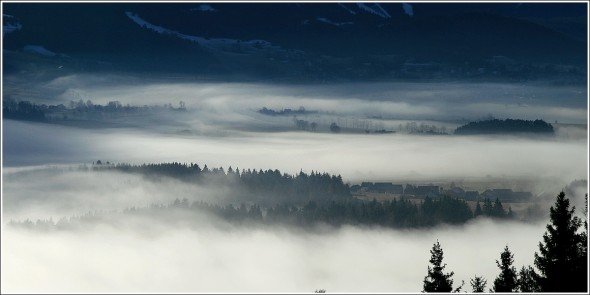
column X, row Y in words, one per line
column 220, row 125
column 147, row 257
column 48, row 174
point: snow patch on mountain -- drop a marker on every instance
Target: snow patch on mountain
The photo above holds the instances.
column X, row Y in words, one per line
column 347, row 9
column 204, row 7
column 9, row 27
column 37, row 49
column 142, row 23
column 374, row 9
column 224, row 44
column 408, row 9
column 327, row 21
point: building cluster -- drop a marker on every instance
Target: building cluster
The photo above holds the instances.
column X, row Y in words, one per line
column 422, row 191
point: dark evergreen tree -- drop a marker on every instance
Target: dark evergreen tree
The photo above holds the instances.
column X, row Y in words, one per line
column 487, row 207
column 561, row 261
column 583, row 259
column 334, row 128
column 437, row 280
column 498, row 209
column 478, row 284
column 506, row 281
column 526, row 280
column 478, row 210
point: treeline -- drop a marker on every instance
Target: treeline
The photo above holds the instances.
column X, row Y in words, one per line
column 265, row 187
column 402, row 213
column 492, row 209
column 271, row 187
column 496, row 126
column 561, row 265
column 422, row 128
column 285, row 112
column 306, row 199
column 28, row 111
column 393, row 214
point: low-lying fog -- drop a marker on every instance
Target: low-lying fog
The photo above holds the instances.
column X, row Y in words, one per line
column 42, row 192
column 268, row 259
column 222, row 128
column 357, row 157
column 403, row 100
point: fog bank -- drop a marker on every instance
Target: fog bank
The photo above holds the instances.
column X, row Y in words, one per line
column 268, row 259
column 222, row 128
column 398, row 100
column 357, row 157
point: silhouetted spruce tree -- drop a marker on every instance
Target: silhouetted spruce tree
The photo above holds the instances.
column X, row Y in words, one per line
column 583, row 259
column 478, row 210
column 526, row 280
column 487, row 207
column 478, row 284
column 506, row 280
column 437, row 280
column 498, row 209
column 561, row 260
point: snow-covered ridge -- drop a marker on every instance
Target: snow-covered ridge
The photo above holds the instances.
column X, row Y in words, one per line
column 325, row 20
column 38, row 49
column 408, row 9
column 347, row 9
column 374, row 9
column 213, row 43
column 8, row 27
column 204, row 7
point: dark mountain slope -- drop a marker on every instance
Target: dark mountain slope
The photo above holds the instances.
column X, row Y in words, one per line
column 315, row 41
